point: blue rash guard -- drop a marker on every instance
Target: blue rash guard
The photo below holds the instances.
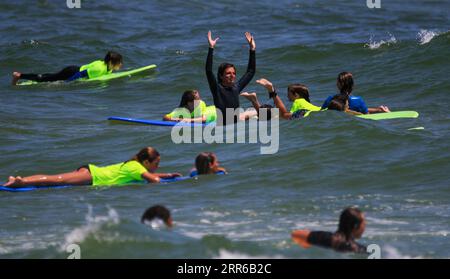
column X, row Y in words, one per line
column 82, row 74
column 355, row 103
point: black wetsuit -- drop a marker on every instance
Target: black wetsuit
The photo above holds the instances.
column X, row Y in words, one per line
column 228, row 97
column 335, row 241
column 64, row 74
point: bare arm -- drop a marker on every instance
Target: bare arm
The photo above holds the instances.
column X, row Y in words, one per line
column 284, row 113
column 301, row 238
column 379, row 109
column 151, row 177
column 167, row 175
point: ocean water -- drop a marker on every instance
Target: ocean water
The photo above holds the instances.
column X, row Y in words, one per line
column 399, row 55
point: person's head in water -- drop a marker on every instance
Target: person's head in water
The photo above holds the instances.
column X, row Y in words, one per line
column 188, row 99
column 148, row 157
column 207, row 163
column 339, row 102
column 345, row 83
column 157, row 212
column 351, row 223
column 264, row 112
column 113, row 60
column 226, row 74
column 298, row 91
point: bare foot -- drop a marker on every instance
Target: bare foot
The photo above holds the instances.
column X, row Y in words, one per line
column 14, row 182
column 249, row 96
column 16, row 77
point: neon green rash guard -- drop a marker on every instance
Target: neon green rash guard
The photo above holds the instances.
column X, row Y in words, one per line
column 300, row 104
column 208, row 111
column 117, row 174
column 96, row 69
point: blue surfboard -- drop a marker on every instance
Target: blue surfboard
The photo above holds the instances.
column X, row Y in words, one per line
column 124, row 120
column 32, row 187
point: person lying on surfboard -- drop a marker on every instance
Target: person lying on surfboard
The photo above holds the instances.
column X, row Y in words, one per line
column 352, row 224
column 112, row 62
column 207, row 163
column 296, row 93
column 340, row 103
column 345, row 85
column 140, row 167
column 192, row 109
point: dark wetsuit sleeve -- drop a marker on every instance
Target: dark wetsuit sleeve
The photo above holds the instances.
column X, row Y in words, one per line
column 251, row 69
column 209, row 72
column 320, row 238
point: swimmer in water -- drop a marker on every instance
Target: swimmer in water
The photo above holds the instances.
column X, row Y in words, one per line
column 157, row 213
column 352, row 224
column 141, row 167
column 112, row 62
column 207, row 163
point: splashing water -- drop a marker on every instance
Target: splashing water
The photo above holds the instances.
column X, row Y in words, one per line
column 425, row 36
column 94, row 223
column 375, row 45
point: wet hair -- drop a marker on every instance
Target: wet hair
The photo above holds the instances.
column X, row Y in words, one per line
column 202, row 162
column 156, row 212
column 345, row 83
column 350, row 219
column 188, row 96
column 338, row 102
column 268, row 115
column 222, row 69
column 147, row 153
column 300, row 90
column 113, row 57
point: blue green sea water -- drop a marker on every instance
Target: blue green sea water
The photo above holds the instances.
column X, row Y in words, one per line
column 399, row 55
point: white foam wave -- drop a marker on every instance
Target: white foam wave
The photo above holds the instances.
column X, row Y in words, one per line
column 425, row 36
column 372, row 220
column 215, row 214
column 389, row 252
column 224, row 254
column 375, row 45
column 93, row 224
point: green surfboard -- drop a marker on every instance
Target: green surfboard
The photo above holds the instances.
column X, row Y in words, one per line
column 390, row 115
column 111, row 76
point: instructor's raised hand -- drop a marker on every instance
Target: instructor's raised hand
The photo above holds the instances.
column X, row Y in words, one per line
column 212, row 43
column 266, row 83
column 250, row 40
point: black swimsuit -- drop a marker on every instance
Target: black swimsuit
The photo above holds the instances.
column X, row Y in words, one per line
column 331, row 240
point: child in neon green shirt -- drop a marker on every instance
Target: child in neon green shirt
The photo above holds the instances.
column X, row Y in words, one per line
column 112, row 62
column 139, row 168
column 192, row 109
column 297, row 93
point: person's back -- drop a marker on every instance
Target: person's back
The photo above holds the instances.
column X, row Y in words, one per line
column 117, row 174
column 335, row 241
